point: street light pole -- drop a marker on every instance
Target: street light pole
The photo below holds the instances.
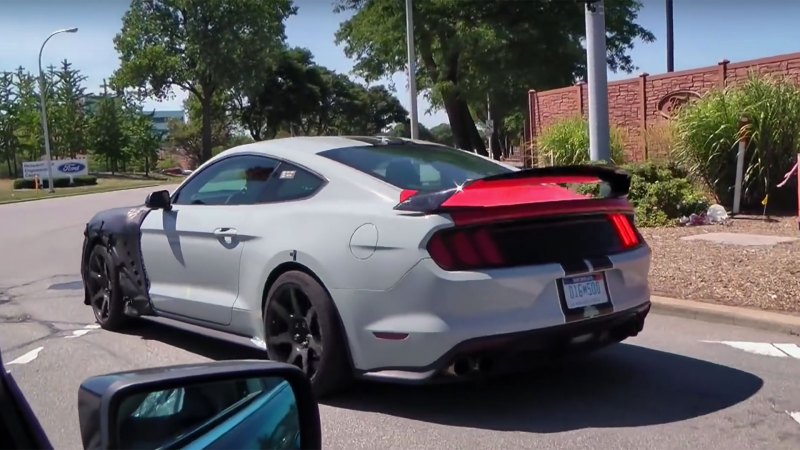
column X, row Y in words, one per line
column 599, row 141
column 42, row 90
column 670, row 39
column 412, row 70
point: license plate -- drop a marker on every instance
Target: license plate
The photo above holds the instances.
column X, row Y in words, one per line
column 585, row 290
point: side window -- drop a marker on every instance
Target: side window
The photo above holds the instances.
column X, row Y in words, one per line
column 292, row 183
column 238, row 180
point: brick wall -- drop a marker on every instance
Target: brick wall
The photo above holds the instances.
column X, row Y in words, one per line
column 642, row 103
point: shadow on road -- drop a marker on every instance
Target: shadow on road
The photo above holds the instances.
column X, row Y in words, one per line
column 204, row 344
column 623, row 386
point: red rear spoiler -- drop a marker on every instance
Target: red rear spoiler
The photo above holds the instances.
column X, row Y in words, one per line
column 514, row 189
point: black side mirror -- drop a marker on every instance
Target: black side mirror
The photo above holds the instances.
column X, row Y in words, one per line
column 226, row 404
column 158, row 200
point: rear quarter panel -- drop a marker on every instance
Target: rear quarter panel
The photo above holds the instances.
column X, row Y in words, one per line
column 318, row 233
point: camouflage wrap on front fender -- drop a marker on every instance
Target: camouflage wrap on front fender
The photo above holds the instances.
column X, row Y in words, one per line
column 119, row 230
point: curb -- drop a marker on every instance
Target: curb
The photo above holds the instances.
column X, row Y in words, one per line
column 732, row 315
column 76, row 194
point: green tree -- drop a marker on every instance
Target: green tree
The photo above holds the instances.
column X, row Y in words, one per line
column 187, row 137
column 142, row 140
column 203, row 46
column 28, row 125
column 468, row 49
column 349, row 108
column 279, row 98
column 442, row 134
column 107, row 132
column 403, row 129
column 66, row 113
column 8, row 115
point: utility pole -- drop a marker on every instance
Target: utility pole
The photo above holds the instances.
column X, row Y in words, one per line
column 670, row 39
column 412, row 69
column 599, row 141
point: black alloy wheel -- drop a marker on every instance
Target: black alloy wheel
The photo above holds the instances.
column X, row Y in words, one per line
column 301, row 327
column 293, row 330
column 104, row 295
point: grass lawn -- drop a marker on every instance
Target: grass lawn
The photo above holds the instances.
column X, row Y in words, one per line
column 105, row 183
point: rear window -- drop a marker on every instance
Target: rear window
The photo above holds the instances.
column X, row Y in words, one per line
column 415, row 166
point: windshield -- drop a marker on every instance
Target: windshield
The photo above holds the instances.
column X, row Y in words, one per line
column 417, row 166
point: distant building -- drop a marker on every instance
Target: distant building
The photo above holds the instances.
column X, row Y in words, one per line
column 161, row 119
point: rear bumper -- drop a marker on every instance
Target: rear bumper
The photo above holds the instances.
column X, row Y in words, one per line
column 512, row 352
column 430, row 313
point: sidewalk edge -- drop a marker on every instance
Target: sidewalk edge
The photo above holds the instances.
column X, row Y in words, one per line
column 733, row 315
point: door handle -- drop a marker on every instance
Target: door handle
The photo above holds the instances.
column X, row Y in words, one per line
column 225, row 232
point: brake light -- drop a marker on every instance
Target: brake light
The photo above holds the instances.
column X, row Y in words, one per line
column 406, row 194
column 627, row 235
column 464, row 249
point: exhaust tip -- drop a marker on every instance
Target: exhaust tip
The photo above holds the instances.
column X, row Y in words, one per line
column 461, row 366
column 485, row 365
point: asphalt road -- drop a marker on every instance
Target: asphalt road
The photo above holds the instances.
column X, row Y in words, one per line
column 667, row 388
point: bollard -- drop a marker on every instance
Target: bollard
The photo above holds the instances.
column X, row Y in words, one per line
column 36, row 182
column 744, row 122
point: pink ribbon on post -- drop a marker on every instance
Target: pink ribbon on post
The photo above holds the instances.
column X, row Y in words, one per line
column 788, row 175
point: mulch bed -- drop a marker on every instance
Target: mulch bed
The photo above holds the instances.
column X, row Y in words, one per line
column 757, row 277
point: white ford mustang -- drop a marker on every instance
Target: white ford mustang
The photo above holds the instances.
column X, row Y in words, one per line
column 378, row 258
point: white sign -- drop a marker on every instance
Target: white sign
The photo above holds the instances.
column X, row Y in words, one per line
column 62, row 168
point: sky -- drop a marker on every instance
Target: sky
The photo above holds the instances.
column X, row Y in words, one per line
column 706, row 31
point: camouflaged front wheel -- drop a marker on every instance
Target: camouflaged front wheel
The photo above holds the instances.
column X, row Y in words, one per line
column 102, row 283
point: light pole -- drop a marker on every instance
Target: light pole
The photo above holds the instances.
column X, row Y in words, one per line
column 412, row 70
column 596, row 66
column 42, row 89
column 670, row 39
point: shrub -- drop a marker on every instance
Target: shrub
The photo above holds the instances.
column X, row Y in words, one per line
column 663, row 193
column 567, row 142
column 659, row 193
column 708, row 132
column 84, row 180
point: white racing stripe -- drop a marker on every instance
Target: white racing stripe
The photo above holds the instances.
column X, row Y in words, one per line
column 27, row 357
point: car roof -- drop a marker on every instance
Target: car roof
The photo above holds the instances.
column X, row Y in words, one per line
column 304, row 149
column 292, row 147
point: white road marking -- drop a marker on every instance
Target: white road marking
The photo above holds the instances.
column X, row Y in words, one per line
column 27, row 357
column 758, row 348
column 790, row 349
column 85, row 330
column 794, row 415
column 77, row 333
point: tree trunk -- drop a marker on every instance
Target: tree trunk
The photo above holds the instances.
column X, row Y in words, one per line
column 478, row 146
column 206, row 144
column 457, row 125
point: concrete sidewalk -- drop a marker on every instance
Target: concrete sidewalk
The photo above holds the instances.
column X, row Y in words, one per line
column 711, row 312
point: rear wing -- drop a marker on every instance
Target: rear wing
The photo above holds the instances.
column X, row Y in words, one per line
column 615, row 184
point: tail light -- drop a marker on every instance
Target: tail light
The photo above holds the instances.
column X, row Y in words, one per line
column 463, row 249
column 488, row 246
column 624, row 227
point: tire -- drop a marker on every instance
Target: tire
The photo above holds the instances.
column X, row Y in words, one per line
column 301, row 328
column 102, row 285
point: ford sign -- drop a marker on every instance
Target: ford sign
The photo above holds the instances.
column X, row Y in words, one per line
column 71, row 167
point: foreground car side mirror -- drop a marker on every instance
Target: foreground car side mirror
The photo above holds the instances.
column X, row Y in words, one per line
column 158, row 200
column 226, row 404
